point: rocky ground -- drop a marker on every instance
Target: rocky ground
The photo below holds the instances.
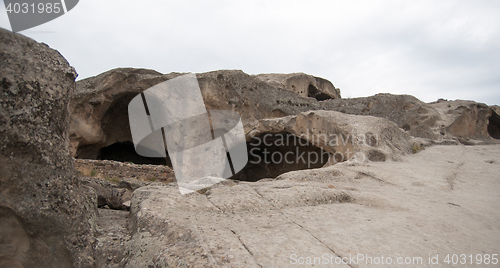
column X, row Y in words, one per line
column 114, row 171
column 442, row 200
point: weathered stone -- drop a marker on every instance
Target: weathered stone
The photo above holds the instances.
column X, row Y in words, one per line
column 409, row 113
column 465, row 119
column 494, row 123
column 108, row 193
column 304, row 85
column 112, row 238
column 46, row 215
column 99, row 108
column 339, row 137
column 235, row 228
column 433, row 198
column 131, row 184
column 99, row 115
column 437, row 121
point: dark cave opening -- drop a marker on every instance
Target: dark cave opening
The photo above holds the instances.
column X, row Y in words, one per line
column 313, row 92
column 494, row 125
column 272, row 154
column 125, row 152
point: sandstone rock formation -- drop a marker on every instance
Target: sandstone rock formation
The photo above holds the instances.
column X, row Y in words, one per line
column 439, row 201
column 467, row 119
column 99, row 116
column 409, row 113
column 99, row 107
column 304, row 85
column 339, row 137
column 100, row 126
column 46, row 217
column 378, row 199
column 435, row 121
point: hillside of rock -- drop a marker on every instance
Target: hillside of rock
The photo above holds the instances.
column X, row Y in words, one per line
column 99, row 117
column 460, row 120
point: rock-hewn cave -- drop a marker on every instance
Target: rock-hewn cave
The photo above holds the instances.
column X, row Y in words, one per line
column 494, row 125
column 118, row 144
column 313, row 92
column 269, row 155
column 125, row 152
column 272, row 154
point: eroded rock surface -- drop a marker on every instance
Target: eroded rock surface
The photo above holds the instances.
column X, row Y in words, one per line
column 100, row 127
column 46, row 216
column 408, row 112
column 443, row 200
column 317, row 138
column 99, row 108
column 233, row 227
column 304, row 85
column 437, row 121
column 467, row 119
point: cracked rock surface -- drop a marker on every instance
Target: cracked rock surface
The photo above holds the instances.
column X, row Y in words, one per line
column 442, row 200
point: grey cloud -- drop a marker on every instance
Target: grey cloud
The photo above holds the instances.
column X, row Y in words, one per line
column 428, row 49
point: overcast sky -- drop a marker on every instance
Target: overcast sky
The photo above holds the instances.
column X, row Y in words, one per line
column 429, row 49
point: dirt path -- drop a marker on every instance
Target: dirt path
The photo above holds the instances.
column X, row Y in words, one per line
column 112, row 238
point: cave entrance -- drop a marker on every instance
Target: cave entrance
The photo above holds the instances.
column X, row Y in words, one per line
column 125, row 152
column 272, row 154
column 314, row 92
column 494, row 125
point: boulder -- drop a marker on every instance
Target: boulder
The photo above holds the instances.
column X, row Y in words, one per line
column 317, row 138
column 108, row 193
column 46, row 216
column 99, row 107
column 114, row 195
column 467, row 119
